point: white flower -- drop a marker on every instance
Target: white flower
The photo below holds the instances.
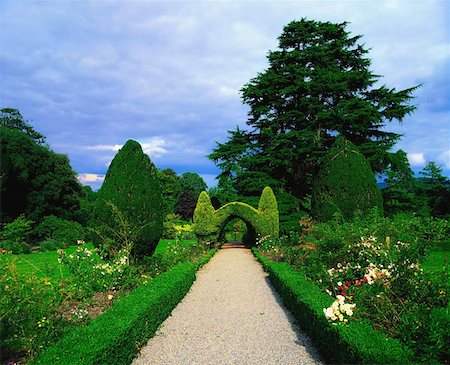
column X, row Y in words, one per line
column 340, row 299
column 339, row 283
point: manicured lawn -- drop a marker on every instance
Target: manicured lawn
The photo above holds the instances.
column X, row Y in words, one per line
column 45, row 264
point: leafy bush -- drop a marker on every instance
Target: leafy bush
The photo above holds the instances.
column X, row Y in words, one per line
column 176, row 228
column 176, row 252
column 15, row 236
column 91, row 274
column 65, row 232
column 28, row 312
column 345, row 183
column 130, row 193
column 51, row 245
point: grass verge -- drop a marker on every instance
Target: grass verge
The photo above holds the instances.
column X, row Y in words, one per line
column 353, row 343
column 116, row 336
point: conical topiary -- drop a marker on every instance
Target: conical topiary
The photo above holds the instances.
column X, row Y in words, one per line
column 344, row 184
column 132, row 186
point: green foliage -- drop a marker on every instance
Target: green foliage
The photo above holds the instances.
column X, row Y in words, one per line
column 116, row 336
column 345, row 184
column 435, row 189
column 170, row 187
column 89, row 273
column 84, row 215
column 129, row 202
column 210, row 222
column 399, row 195
column 173, row 253
column 65, row 232
column 318, row 84
column 35, row 181
column 356, row 342
column 175, row 227
column 28, row 306
column 190, row 187
column 12, row 119
column 15, row 236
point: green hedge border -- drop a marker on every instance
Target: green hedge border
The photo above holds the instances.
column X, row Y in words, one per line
column 117, row 336
column 353, row 343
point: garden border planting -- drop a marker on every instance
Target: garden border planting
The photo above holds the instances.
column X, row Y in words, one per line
column 116, row 336
column 353, row 343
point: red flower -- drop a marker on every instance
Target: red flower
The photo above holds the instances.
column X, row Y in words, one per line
column 347, row 283
column 365, row 279
column 343, row 294
column 345, row 287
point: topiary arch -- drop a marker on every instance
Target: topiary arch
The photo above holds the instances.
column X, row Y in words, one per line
column 208, row 222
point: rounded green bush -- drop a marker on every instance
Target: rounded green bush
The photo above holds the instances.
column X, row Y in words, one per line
column 345, row 184
column 129, row 203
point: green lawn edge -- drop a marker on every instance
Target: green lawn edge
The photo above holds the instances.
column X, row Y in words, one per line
column 353, row 343
column 117, row 336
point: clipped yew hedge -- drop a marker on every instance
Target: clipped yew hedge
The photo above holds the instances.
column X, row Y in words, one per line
column 116, row 336
column 208, row 222
column 353, row 343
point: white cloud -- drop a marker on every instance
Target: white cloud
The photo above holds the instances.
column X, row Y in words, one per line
column 445, row 157
column 104, row 147
column 90, row 178
column 416, row 159
column 154, row 147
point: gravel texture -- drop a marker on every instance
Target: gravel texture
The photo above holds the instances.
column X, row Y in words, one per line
column 231, row 315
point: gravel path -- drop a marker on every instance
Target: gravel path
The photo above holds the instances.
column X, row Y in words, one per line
column 231, row 315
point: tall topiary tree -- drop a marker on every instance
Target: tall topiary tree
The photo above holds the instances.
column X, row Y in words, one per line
column 344, row 184
column 129, row 203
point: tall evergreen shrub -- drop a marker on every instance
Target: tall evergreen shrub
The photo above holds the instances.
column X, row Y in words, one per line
column 345, row 183
column 132, row 186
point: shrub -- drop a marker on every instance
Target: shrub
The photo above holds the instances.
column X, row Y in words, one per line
column 15, row 235
column 28, row 312
column 345, row 183
column 63, row 231
column 175, row 227
column 130, row 193
column 208, row 222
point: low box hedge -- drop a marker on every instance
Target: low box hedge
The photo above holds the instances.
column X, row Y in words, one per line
column 353, row 343
column 116, row 336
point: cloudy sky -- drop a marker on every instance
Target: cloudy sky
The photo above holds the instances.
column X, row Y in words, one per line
column 90, row 75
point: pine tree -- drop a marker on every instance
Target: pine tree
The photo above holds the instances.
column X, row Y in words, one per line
column 318, row 84
column 129, row 203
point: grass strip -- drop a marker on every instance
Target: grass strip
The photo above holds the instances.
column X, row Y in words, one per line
column 353, row 343
column 117, row 335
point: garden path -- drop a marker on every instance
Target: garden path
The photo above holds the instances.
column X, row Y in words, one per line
column 231, row 315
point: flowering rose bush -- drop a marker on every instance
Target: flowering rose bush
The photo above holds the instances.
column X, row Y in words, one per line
column 337, row 310
column 91, row 273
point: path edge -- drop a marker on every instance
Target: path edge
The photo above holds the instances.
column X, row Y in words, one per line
column 355, row 343
column 117, row 336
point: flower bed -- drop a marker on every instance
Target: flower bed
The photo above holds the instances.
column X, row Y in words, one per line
column 357, row 343
column 116, row 336
column 371, row 269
